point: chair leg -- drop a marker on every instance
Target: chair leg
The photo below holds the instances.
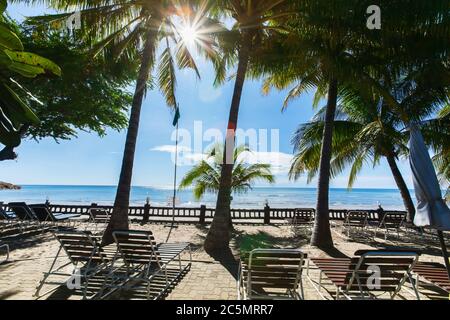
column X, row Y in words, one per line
column 302, row 289
column 46, row 275
column 320, row 281
column 414, row 284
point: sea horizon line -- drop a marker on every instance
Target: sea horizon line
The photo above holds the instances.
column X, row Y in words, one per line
column 167, row 187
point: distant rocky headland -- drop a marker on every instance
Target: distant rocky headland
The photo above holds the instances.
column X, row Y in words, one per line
column 8, row 186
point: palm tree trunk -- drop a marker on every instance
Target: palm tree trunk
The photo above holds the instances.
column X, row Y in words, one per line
column 219, row 234
column 406, row 196
column 119, row 217
column 321, row 236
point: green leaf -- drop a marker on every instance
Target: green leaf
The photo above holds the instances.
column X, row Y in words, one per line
column 5, row 61
column 3, row 6
column 17, row 110
column 26, row 70
column 34, row 60
column 167, row 78
column 9, row 39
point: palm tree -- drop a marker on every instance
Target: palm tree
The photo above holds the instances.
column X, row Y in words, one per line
column 136, row 29
column 367, row 129
column 330, row 48
column 324, row 50
column 364, row 131
column 205, row 176
column 254, row 21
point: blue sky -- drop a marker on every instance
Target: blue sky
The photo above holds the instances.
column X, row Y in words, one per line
column 90, row 160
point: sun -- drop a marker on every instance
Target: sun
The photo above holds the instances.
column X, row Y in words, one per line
column 189, row 34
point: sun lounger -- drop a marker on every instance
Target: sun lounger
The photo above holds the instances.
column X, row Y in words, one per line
column 28, row 219
column 8, row 224
column 6, row 215
column 88, row 263
column 303, row 218
column 368, row 272
column 10, row 228
column 391, row 221
column 271, row 274
column 22, row 211
column 434, row 273
column 100, row 218
column 355, row 220
column 150, row 268
column 43, row 213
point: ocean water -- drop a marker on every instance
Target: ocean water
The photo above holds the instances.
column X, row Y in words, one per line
column 276, row 196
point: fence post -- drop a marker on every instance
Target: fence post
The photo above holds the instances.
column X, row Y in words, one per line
column 146, row 212
column 266, row 214
column 202, row 214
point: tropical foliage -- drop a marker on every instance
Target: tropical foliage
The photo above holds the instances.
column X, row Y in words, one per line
column 91, row 94
column 376, row 83
column 205, row 176
column 136, row 29
column 331, row 51
column 325, row 50
column 16, row 116
column 364, row 132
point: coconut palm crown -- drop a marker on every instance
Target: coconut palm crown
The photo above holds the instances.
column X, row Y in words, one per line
column 205, row 176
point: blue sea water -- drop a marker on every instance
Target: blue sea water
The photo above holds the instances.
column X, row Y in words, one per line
column 276, row 196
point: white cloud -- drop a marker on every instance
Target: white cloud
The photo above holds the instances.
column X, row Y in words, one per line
column 170, row 148
column 279, row 161
column 185, row 154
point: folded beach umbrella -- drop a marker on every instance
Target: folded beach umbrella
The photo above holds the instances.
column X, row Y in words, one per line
column 432, row 212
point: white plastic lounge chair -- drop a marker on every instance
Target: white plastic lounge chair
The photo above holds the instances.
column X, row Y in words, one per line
column 367, row 272
column 87, row 261
column 150, row 269
column 271, row 274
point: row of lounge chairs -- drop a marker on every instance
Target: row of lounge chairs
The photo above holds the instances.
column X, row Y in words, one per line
column 137, row 263
column 21, row 217
column 147, row 269
column 390, row 221
column 277, row 273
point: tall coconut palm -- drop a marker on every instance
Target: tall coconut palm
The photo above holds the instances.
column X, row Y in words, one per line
column 205, row 176
column 366, row 129
column 324, row 50
column 363, row 133
column 329, row 47
column 137, row 29
column 254, row 21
